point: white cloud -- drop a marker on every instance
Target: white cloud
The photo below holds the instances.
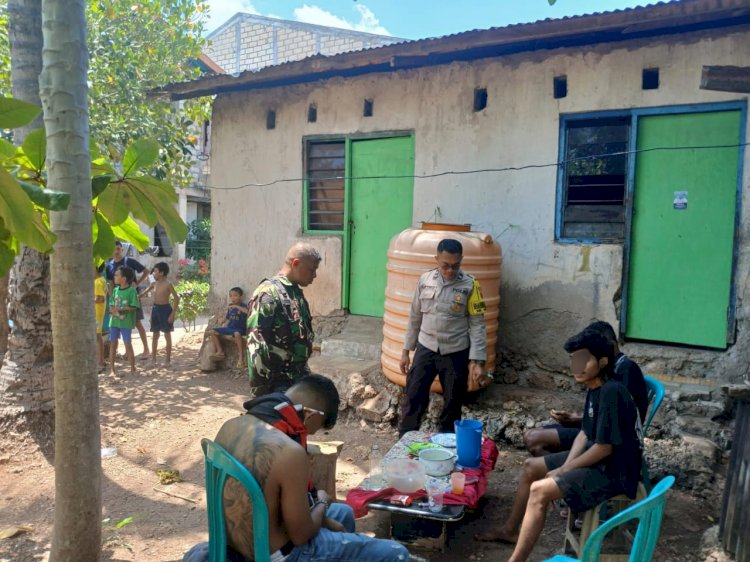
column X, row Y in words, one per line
column 221, row 10
column 367, row 20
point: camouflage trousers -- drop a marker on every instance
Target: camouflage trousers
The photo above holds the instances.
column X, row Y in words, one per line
column 280, row 380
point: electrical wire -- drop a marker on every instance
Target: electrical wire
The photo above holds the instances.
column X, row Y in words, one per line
column 480, row 170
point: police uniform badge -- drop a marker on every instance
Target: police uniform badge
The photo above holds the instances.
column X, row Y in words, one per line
column 476, row 301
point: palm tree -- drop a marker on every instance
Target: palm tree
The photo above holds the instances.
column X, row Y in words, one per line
column 26, row 387
column 64, row 93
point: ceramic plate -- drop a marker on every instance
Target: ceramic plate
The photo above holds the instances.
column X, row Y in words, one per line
column 444, row 439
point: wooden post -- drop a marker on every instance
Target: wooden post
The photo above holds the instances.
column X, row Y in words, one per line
column 736, row 502
column 323, row 456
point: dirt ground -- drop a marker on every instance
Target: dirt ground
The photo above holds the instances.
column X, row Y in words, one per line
column 156, row 419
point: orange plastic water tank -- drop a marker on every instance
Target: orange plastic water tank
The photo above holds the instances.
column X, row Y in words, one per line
column 411, row 253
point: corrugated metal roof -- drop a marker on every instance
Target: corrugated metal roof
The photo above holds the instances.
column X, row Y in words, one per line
column 662, row 18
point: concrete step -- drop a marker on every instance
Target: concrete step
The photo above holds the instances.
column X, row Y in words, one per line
column 361, row 386
column 695, row 400
column 335, row 366
column 360, row 338
column 698, row 425
column 679, row 392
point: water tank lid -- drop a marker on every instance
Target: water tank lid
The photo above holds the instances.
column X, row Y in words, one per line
column 446, row 226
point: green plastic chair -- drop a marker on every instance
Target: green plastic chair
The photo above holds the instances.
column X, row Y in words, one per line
column 648, row 511
column 220, row 465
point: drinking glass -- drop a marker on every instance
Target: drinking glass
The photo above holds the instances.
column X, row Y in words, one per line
column 458, row 480
column 435, row 492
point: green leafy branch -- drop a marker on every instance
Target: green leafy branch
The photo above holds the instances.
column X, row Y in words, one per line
column 118, row 199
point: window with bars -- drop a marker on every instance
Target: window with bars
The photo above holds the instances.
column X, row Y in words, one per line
column 594, row 179
column 326, row 169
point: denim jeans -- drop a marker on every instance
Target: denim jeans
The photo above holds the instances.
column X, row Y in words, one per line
column 349, row 546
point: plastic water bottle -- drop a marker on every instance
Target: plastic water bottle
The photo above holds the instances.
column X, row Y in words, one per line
column 376, row 468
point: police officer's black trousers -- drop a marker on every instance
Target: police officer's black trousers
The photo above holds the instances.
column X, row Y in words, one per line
column 453, row 371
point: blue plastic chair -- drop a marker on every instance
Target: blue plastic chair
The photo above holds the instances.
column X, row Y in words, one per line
column 219, row 465
column 648, row 511
column 655, row 393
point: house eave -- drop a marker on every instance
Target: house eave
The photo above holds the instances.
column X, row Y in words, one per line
column 625, row 25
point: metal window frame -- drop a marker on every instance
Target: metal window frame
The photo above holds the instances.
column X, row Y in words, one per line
column 306, row 142
column 561, row 192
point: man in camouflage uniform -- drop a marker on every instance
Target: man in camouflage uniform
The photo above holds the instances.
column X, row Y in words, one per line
column 446, row 327
column 279, row 324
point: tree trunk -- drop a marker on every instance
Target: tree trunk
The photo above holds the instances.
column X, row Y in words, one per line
column 4, row 331
column 25, row 33
column 26, row 385
column 26, row 374
column 77, row 530
column 25, row 19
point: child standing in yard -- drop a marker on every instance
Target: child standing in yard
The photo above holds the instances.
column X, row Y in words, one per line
column 122, row 308
column 100, row 304
column 236, row 326
column 162, row 313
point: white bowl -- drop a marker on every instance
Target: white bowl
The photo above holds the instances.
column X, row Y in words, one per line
column 437, row 461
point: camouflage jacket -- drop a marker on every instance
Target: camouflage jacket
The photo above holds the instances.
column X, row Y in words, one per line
column 279, row 335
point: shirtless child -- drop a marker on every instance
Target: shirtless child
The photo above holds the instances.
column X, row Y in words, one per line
column 162, row 313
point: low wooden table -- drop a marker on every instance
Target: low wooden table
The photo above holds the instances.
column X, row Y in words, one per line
column 415, row 523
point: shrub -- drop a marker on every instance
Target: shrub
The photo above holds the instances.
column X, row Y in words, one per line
column 198, row 243
column 193, row 301
column 188, row 270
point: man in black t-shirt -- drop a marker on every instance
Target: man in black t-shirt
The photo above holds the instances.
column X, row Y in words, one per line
column 119, row 260
column 605, row 458
column 542, row 441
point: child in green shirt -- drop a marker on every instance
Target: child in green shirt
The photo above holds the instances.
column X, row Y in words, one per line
column 122, row 310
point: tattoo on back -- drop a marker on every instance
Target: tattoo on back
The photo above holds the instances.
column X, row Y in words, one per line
column 255, row 445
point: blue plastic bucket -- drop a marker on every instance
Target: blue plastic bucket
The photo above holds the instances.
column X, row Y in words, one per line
column 469, row 442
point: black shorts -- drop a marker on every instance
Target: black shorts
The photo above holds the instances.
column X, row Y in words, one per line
column 583, row 488
column 567, row 435
column 160, row 318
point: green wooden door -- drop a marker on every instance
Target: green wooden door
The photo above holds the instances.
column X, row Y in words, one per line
column 380, row 208
column 682, row 235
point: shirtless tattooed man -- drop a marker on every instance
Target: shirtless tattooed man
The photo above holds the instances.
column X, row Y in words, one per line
column 270, row 440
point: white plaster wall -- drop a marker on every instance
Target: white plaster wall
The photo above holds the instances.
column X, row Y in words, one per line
column 191, row 212
column 519, row 127
column 253, row 227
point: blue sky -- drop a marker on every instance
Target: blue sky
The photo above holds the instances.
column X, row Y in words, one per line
column 412, row 19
